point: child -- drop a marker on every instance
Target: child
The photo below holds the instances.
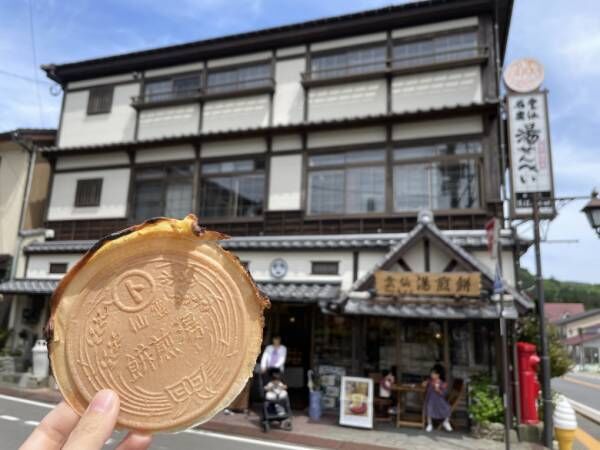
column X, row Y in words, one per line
column 436, row 406
column 276, row 391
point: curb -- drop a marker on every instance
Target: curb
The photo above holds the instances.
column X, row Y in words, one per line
column 586, row 411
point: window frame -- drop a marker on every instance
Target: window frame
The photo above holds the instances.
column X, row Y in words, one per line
column 345, row 149
column 208, row 91
column 52, row 268
column 314, row 264
column 143, row 98
column 100, row 90
column 240, row 157
column 80, row 200
column 163, row 181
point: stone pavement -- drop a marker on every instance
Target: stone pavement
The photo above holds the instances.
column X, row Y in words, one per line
column 326, row 434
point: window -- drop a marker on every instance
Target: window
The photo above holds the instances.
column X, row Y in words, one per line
column 174, row 88
column 232, row 188
column 163, row 191
column 88, row 192
column 349, row 182
column 58, row 268
column 325, row 267
column 100, row 100
column 348, row 62
column 440, row 176
column 246, row 77
column 448, row 47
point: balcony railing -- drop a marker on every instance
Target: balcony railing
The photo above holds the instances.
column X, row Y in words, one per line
column 345, row 71
column 439, row 57
column 239, row 86
column 166, row 97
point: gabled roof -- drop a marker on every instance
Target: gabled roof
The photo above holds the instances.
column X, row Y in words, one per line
column 558, row 311
column 426, row 228
column 396, row 16
column 576, row 317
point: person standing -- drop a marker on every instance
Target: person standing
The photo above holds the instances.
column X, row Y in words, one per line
column 273, row 356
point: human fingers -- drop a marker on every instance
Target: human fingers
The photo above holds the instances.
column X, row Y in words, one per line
column 53, row 430
column 135, row 441
column 96, row 424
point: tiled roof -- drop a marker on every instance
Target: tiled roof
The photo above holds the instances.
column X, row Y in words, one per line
column 471, row 310
column 583, row 315
column 462, row 238
column 303, row 292
column 558, row 311
column 28, row 286
column 350, row 121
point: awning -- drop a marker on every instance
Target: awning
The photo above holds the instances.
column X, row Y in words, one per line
column 28, row 286
column 299, row 292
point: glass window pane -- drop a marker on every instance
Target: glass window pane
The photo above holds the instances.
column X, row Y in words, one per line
column 186, row 86
column 217, row 196
column 326, row 192
column 158, row 90
column 365, row 189
column 150, row 173
column 411, row 187
column 455, row 185
column 426, row 151
column 330, row 159
column 365, row 156
column 250, row 195
column 148, row 200
column 178, row 199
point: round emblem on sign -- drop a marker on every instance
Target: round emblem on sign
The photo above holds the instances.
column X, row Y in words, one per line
column 278, row 268
column 524, row 75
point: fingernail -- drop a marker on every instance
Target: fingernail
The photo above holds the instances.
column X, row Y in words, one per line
column 103, row 401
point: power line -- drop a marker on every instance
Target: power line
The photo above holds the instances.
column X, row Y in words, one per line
column 35, row 65
column 24, row 77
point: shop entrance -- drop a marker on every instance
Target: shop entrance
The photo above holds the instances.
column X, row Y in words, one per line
column 293, row 324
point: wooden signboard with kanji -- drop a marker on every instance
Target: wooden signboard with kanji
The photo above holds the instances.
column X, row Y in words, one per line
column 455, row 284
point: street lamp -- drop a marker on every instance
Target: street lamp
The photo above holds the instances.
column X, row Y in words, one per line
column 592, row 211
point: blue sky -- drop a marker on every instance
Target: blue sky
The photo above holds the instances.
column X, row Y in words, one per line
column 563, row 35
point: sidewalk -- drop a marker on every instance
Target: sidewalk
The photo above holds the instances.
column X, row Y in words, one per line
column 325, row 434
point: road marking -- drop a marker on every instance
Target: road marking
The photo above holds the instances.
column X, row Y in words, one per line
column 585, row 411
column 33, row 423
column 586, row 439
column 9, row 418
column 583, row 383
column 27, row 402
column 277, row 445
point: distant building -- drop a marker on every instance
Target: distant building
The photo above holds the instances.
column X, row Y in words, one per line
column 558, row 311
column 570, row 326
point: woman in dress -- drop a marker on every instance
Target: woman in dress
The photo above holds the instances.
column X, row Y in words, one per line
column 436, row 405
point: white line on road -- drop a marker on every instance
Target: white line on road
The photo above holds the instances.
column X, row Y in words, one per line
column 27, row 402
column 277, row 445
column 9, row 418
column 33, row 423
column 586, row 411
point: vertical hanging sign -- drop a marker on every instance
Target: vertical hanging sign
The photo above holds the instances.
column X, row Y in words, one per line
column 530, row 154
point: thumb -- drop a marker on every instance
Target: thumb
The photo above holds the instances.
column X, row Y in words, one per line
column 96, row 424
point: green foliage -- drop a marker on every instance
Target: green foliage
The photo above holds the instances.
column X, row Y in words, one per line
column 563, row 291
column 560, row 362
column 4, row 335
column 486, row 404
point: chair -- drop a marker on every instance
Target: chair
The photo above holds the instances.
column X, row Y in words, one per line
column 380, row 404
column 456, row 392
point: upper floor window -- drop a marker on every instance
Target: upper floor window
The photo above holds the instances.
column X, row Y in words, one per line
column 57, row 268
column 100, row 99
column 163, row 191
column 347, row 182
column 348, row 62
column 184, row 86
column 439, row 176
column 232, row 188
column 87, row 192
column 239, row 78
column 437, row 49
column 325, row 267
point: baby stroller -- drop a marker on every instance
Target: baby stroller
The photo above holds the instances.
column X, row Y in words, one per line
column 274, row 411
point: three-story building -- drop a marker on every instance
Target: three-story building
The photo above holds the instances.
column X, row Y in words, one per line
column 330, row 150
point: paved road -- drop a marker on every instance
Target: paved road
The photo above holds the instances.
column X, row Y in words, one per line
column 18, row 417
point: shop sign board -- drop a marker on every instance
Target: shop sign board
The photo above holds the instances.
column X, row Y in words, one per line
column 330, row 378
column 451, row 284
column 530, row 154
column 356, row 403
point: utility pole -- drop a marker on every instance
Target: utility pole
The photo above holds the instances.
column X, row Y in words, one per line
column 544, row 357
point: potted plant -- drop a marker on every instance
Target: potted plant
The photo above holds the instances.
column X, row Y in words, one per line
column 486, row 409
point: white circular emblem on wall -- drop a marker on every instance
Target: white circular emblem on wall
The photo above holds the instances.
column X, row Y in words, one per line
column 524, row 75
column 278, row 268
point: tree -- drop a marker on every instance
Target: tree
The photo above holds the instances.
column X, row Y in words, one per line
column 560, row 361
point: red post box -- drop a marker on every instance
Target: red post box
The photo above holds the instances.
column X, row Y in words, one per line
column 528, row 382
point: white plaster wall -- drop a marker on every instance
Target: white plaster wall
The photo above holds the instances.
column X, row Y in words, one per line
column 289, row 95
column 415, row 257
column 350, row 136
column 173, row 70
column 171, row 153
column 291, row 51
column 299, row 265
column 79, row 128
column 367, row 260
column 233, row 147
column 13, row 175
column 442, row 88
column 92, row 160
column 113, row 199
column 438, row 259
column 169, row 121
column 240, row 59
column 437, row 128
column 347, row 100
column 38, row 266
column 231, row 114
column 285, row 183
column 286, row 142
column 465, row 22
column 508, row 268
column 101, row 81
column 349, row 42
column 572, row 329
